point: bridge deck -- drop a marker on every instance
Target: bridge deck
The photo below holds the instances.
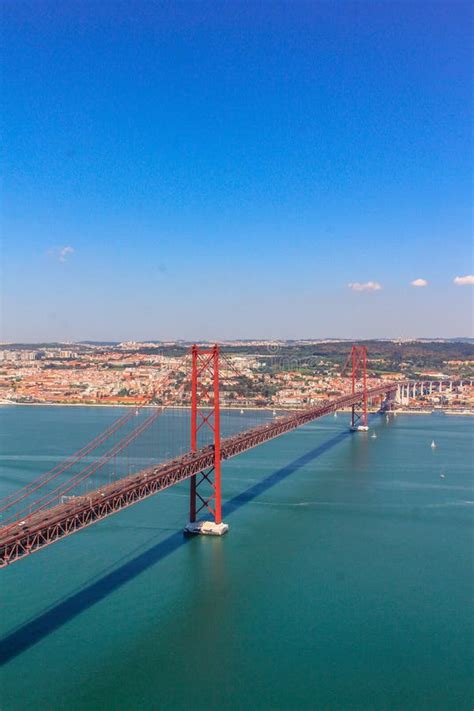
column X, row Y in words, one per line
column 45, row 527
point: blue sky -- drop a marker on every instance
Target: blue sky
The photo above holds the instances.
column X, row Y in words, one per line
column 225, row 170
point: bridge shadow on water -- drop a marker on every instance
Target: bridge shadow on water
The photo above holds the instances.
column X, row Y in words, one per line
column 34, row 630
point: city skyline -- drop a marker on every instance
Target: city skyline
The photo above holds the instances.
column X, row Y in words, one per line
column 273, row 172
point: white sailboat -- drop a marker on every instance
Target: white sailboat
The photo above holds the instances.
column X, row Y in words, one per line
column 433, row 444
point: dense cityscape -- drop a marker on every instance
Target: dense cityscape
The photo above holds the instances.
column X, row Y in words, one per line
column 253, row 374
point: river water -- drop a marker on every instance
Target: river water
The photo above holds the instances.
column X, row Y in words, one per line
column 345, row 581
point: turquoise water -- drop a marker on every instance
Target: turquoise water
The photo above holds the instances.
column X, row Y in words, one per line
column 345, row 581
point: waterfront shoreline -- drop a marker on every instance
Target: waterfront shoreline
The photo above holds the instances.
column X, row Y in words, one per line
column 225, row 407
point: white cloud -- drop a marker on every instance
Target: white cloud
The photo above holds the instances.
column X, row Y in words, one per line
column 464, row 280
column 365, row 286
column 63, row 253
column 419, row 282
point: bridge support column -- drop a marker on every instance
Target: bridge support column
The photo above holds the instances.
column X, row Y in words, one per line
column 359, row 418
column 205, row 487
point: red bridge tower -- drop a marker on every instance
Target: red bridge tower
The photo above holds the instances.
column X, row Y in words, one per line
column 205, row 487
column 358, row 357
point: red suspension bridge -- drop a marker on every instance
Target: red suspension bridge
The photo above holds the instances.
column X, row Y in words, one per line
column 68, row 498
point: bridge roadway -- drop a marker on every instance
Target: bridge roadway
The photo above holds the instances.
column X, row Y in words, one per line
column 42, row 528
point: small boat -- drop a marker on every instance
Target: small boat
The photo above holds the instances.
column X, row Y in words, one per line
column 335, row 414
column 136, row 413
column 441, row 476
column 274, row 413
column 241, row 412
column 433, row 444
column 373, row 435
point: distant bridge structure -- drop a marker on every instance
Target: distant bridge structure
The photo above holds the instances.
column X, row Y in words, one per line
column 411, row 389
